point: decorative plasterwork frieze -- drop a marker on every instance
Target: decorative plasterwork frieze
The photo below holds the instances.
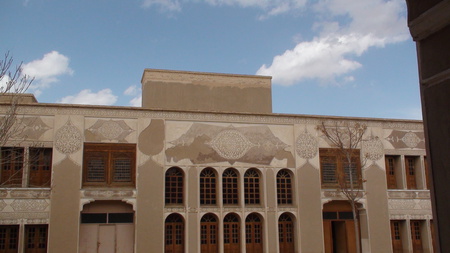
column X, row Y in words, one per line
column 409, row 207
column 413, row 152
column 135, row 113
column 17, row 193
column 23, row 215
column 408, row 194
column 30, row 205
column 109, row 194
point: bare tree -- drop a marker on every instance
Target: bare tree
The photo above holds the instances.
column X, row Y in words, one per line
column 346, row 139
column 14, row 83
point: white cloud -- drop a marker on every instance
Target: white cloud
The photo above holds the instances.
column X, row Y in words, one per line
column 137, row 101
column 272, row 7
column 133, row 90
column 334, row 52
column 166, row 5
column 4, row 80
column 47, row 70
column 103, row 97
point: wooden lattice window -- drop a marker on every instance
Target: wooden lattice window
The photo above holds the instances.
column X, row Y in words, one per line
column 109, row 164
column 230, row 192
column 337, row 171
column 9, row 239
column 12, row 162
column 208, row 187
column 40, row 167
column 251, row 187
column 174, row 186
column 396, row 236
column 174, row 234
column 410, row 166
column 390, row 172
column 284, row 187
column 36, row 238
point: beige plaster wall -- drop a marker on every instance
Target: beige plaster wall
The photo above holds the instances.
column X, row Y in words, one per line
column 175, row 90
column 66, row 184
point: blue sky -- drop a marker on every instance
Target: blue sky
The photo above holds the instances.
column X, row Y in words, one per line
column 327, row 57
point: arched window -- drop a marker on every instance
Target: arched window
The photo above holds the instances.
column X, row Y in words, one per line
column 253, row 234
column 174, row 186
column 286, row 233
column 251, row 187
column 231, row 233
column 284, row 187
column 174, row 234
column 209, row 233
column 208, row 187
column 230, row 190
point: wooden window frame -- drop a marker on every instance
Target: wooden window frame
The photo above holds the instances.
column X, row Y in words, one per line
column 333, row 172
column 231, row 233
column 40, row 168
column 286, row 233
column 284, row 187
column 36, row 238
column 110, row 153
column 208, row 184
column 12, row 166
column 252, row 187
column 209, row 231
column 174, row 186
column 391, row 172
column 174, row 234
column 411, row 172
column 9, row 238
column 230, row 187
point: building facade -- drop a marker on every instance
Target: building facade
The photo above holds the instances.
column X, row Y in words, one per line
column 205, row 166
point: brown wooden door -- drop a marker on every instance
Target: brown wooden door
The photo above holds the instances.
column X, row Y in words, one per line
column 174, row 234
column 397, row 245
column 231, row 234
column 327, row 236
column 416, row 236
column 410, row 173
column 286, row 234
column 209, row 231
column 36, row 239
column 390, row 172
column 9, row 239
column 253, row 234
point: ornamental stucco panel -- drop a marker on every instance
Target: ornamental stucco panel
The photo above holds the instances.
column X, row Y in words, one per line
column 410, row 208
column 68, row 138
column 306, row 145
column 200, row 143
column 110, row 130
column 404, row 139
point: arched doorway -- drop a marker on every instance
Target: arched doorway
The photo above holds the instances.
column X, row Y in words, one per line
column 107, row 227
column 231, row 237
column 286, row 233
column 253, row 234
column 338, row 227
column 209, row 233
column 174, row 234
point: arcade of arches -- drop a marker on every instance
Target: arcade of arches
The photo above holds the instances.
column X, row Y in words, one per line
column 230, row 228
